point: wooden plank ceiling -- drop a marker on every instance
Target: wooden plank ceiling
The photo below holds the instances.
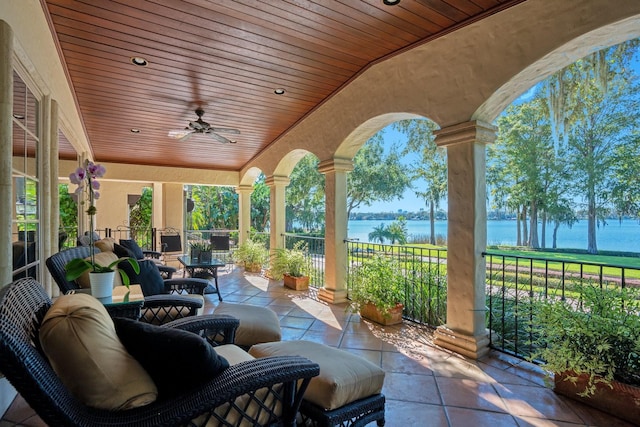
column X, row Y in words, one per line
column 226, row 57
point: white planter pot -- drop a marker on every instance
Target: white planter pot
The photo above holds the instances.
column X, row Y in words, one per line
column 102, row 284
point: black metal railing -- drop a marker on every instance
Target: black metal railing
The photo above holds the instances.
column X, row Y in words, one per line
column 315, row 253
column 516, row 282
column 422, row 270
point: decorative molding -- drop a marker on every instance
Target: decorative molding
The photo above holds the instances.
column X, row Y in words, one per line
column 473, row 347
column 476, row 132
column 335, row 165
column 277, row 180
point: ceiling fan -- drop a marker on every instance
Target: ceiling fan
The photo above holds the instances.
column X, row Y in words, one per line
column 200, row 126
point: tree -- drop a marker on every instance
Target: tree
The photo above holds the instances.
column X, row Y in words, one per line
column 260, row 204
column 625, row 193
column 378, row 234
column 305, row 195
column 593, row 107
column 140, row 214
column 522, row 165
column 432, row 166
column 215, row 207
column 68, row 209
column 375, row 176
column 397, row 231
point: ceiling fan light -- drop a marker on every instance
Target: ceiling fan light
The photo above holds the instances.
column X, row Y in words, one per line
column 279, row 91
column 139, row 61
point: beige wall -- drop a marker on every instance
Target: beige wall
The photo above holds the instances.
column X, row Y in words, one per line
column 113, row 209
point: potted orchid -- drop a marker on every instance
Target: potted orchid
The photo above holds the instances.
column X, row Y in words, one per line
column 86, row 178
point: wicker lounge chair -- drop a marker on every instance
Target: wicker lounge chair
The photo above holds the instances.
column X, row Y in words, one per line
column 156, row 308
column 23, row 305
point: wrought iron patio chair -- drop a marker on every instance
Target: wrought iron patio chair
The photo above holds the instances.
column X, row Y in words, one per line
column 281, row 381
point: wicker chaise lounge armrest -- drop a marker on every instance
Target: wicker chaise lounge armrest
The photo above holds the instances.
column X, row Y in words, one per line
column 245, row 378
column 171, row 300
column 189, row 284
column 152, row 254
column 218, row 329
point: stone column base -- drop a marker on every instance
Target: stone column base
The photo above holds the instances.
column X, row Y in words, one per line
column 332, row 296
column 473, row 347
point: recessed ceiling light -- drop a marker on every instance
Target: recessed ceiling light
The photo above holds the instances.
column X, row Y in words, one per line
column 18, row 116
column 233, row 141
column 391, row 2
column 134, row 130
column 279, row 91
column 139, row 61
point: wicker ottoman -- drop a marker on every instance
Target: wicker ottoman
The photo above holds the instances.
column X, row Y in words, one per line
column 346, row 393
column 257, row 324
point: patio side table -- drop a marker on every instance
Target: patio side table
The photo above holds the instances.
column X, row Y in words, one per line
column 123, row 303
column 203, row 269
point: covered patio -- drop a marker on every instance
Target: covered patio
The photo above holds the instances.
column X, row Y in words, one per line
column 423, row 382
column 457, row 67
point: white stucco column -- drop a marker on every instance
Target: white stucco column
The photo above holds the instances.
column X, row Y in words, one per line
column 277, row 209
column 54, row 143
column 465, row 330
column 335, row 266
column 6, row 148
column 244, row 211
column 157, row 216
column 44, row 157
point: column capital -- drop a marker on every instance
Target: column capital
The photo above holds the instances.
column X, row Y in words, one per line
column 468, row 132
column 244, row 189
column 277, row 180
column 335, row 165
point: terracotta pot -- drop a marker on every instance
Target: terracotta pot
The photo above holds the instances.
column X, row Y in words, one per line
column 392, row 317
column 296, row 283
column 620, row 400
column 252, row 268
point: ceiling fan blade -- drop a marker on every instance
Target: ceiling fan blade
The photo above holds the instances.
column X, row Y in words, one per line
column 226, row 130
column 180, row 133
column 219, row 138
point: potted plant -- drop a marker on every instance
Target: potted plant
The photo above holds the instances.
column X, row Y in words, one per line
column 292, row 266
column 377, row 290
column 591, row 344
column 251, row 255
column 100, row 276
column 201, row 251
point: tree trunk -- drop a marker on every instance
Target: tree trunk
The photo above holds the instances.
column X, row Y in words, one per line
column 543, row 243
column 592, row 246
column 533, row 236
column 432, row 222
column 525, row 232
column 519, row 236
column 556, row 225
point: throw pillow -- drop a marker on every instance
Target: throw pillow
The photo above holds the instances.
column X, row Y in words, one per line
column 149, row 277
column 133, row 246
column 123, row 252
column 79, row 339
column 177, row 360
column 106, row 244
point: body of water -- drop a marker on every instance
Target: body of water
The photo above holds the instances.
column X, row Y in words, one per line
column 615, row 236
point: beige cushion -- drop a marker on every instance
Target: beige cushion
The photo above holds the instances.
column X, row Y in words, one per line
column 257, row 324
column 103, row 259
column 106, row 244
column 80, row 341
column 344, row 377
column 233, row 354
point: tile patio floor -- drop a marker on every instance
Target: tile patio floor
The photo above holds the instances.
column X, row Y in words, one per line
column 424, row 385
